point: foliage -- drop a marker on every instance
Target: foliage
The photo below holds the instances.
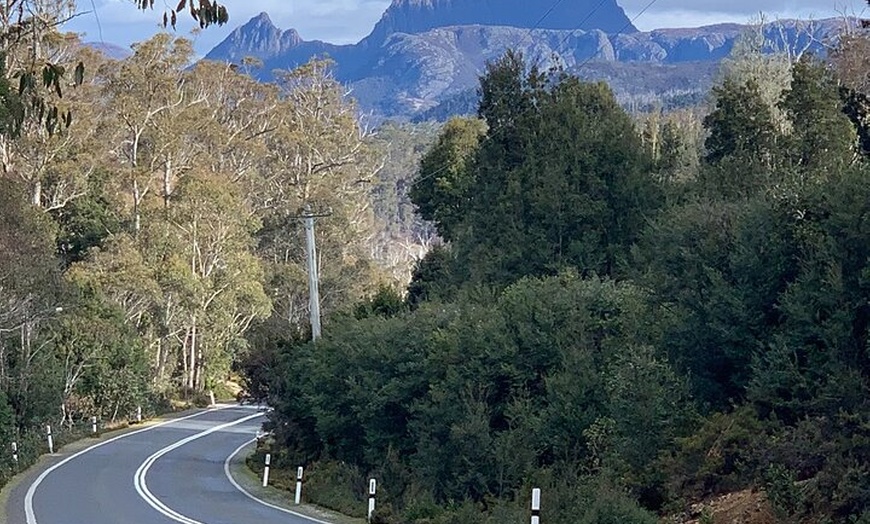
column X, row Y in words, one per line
column 618, row 316
column 403, row 235
column 386, row 302
column 140, row 247
column 450, row 394
column 204, row 12
column 445, row 180
column 520, row 203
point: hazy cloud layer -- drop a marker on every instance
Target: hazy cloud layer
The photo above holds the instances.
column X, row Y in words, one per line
column 347, row 21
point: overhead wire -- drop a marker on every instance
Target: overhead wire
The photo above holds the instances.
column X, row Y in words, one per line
column 630, row 23
column 99, row 24
column 545, row 15
column 578, row 26
column 528, row 35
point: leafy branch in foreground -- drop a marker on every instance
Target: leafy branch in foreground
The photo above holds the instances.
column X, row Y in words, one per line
column 207, row 12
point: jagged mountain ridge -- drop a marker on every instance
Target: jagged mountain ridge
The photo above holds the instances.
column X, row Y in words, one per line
column 258, row 38
column 420, row 16
column 406, row 73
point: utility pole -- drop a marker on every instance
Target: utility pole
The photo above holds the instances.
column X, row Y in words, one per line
column 313, row 276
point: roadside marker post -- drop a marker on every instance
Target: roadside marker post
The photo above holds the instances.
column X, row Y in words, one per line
column 266, row 470
column 211, row 397
column 298, row 498
column 94, row 425
column 138, row 413
column 15, row 453
column 536, row 506
column 373, row 485
column 50, row 440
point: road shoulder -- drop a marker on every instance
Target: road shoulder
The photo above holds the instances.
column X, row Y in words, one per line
column 248, row 481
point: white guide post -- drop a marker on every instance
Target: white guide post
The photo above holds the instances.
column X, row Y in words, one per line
column 298, row 498
column 94, row 425
column 266, row 470
column 50, row 440
column 536, row 506
column 373, row 486
column 15, row 452
column 138, row 413
column 211, row 397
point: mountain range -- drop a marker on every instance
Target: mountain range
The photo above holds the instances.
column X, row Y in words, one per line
column 423, row 58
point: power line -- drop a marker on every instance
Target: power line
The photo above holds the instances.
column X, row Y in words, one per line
column 578, row 26
column 541, row 20
column 630, row 23
column 545, row 15
column 99, row 25
column 528, row 35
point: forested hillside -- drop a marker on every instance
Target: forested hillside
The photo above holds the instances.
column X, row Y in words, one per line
column 634, row 316
column 150, row 228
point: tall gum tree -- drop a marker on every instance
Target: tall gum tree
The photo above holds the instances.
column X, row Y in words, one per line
column 212, row 229
column 147, row 92
column 319, row 156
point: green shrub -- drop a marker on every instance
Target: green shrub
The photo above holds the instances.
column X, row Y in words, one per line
column 783, row 493
column 337, row 486
column 615, row 507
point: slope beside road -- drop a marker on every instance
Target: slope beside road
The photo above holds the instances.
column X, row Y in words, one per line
column 167, row 473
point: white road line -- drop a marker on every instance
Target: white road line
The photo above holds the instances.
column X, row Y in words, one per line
column 31, row 491
column 141, row 485
column 253, row 497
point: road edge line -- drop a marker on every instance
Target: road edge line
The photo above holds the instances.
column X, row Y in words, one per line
column 248, row 494
column 30, row 515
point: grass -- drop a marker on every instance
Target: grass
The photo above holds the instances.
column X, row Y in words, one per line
column 282, row 497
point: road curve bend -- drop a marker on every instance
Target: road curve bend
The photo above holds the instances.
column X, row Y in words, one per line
column 169, row 473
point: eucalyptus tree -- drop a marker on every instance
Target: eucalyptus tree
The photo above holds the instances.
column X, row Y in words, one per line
column 56, row 164
column 147, row 94
column 30, row 289
column 320, row 158
column 208, row 231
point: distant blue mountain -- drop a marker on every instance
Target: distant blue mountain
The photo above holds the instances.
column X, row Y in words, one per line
column 423, row 54
column 115, row 52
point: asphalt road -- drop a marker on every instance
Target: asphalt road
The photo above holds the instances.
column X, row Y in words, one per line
column 160, row 475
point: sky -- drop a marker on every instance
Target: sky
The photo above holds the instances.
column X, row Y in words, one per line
column 347, row 21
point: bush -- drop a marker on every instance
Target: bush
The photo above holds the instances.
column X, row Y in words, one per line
column 337, row 486
column 783, row 493
column 616, row 508
column 718, row 458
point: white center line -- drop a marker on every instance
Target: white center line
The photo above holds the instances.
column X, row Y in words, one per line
column 141, row 485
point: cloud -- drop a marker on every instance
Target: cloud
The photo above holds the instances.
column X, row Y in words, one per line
column 347, row 21
column 336, row 21
column 677, row 13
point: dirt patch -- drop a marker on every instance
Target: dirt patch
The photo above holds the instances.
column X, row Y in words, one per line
column 742, row 507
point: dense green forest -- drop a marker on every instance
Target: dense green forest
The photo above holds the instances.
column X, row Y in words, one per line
column 633, row 314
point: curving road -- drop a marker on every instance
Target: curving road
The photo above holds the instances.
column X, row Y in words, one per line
column 163, row 474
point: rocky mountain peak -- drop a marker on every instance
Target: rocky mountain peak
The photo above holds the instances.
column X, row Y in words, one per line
column 418, row 16
column 258, row 38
